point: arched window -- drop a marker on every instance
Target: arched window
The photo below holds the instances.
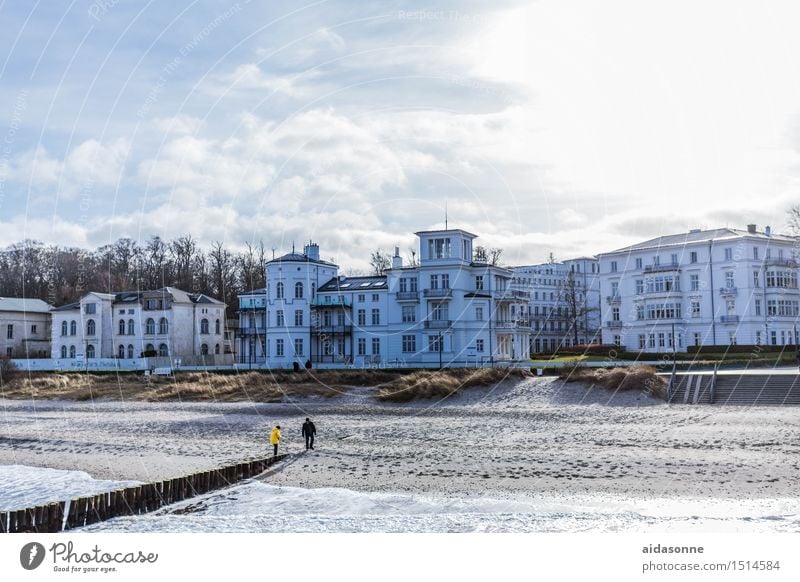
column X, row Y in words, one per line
column 131, row 327
column 121, row 351
column 121, row 327
column 90, row 327
column 73, row 327
column 279, row 290
column 150, row 326
column 204, row 349
column 63, row 350
column 163, row 326
column 63, row 328
column 71, row 351
column 130, row 351
column 216, row 349
column 163, row 350
column 216, row 327
column 298, row 290
column 149, row 349
column 89, row 352
column 203, row 325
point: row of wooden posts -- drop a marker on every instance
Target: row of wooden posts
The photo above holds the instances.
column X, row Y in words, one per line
column 57, row 516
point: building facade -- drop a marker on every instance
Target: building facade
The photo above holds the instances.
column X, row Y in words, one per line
column 565, row 302
column 702, row 288
column 24, row 328
column 163, row 322
column 446, row 309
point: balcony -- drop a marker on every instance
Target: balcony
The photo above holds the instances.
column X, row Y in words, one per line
column 662, row 268
column 614, row 324
column 333, row 329
column 252, row 331
column 729, row 319
column 728, row 291
column 521, row 324
column 780, row 262
column 328, row 301
column 438, row 323
column 613, row 299
column 438, row 293
column 511, row 295
column 408, row 296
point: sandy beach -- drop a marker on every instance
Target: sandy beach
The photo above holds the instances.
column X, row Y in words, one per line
column 534, row 437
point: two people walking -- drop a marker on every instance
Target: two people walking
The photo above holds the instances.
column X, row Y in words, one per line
column 309, row 430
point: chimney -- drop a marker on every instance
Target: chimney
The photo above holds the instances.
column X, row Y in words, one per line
column 397, row 260
column 311, row 250
column 768, row 230
column 751, row 228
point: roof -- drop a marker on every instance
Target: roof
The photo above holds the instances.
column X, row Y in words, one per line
column 299, row 258
column 68, row 307
column 25, row 305
column 700, row 236
column 123, row 297
column 348, row 284
column 445, row 231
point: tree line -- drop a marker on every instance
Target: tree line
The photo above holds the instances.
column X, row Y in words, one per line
column 59, row 275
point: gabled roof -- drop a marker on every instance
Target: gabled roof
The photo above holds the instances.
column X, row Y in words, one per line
column 129, row 297
column 299, row 258
column 24, row 305
column 700, row 236
column 350, row 284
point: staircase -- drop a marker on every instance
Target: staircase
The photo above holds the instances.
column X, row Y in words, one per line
column 736, row 389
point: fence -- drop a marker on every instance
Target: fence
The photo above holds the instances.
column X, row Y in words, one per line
column 136, row 500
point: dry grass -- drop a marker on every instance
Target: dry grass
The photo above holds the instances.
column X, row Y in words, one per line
column 440, row 384
column 641, row 378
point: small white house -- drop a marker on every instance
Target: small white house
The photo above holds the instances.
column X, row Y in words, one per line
column 24, row 328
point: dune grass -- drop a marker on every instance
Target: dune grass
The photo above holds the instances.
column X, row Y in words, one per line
column 425, row 384
column 640, row 377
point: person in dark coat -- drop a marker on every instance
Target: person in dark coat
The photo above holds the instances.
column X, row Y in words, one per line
column 309, row 430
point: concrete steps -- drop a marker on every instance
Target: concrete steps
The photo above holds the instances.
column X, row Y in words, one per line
column 691, row 389
column 737, row 389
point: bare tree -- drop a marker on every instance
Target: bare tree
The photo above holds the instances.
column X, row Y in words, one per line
column 380, row 261
column 578, row 308
column 794, row 219
column 494, row 256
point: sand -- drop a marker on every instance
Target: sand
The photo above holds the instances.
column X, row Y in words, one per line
column 534, row 437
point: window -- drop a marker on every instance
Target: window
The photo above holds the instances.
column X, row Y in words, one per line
column 479, row 345
column 639, row 286
column 674, row 258
column 163, row 351
column 73, row 327
column 217, row 327
column 90, row 308
column 216, row 349
column 479, row 282
column 376, row 346
column 403, row 285
column 758, row 338
column 361, row 298
column 279, row 290
column 279, row 321
column 279, row 347
column 362, row 317
column 479, row 313
column 613, row 266
column 755, row 279
column 694, row 308
column 755, row 253
column 642, row 341
column 361, row 346
column 72, row 351
column 409, row 314
column 758, row 306
column 163, row 326
column 298, row 347
column 376, row 317
column 63, row 352
column 614, row 288
column 693, row 257
column 63, row 328
column 409, row 344
column 638, row 262
column 694, row 282
column 617, row 340
column 298, row 317
column 91, row 327
column 445, row 281
column 728, row 254
column 150, row 327
column 10, row 331
column 434, row 281
column 730, row 282
column 90, row 352
column 204, row 350
column 121, row 327
column 131, row 327
column 130, row 351
column 376, row 297
column 33, row 329
column 640, row 312
column 656, row 260
column 439, row 248
column 298, row 290
column 434, row 343
column 614, row 314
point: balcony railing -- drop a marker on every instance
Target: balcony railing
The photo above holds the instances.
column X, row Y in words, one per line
column 251, row 331
column 729, row 319
column 511, row 295
column 438, row 293
column 328, row 301
column 518, row 324
column 333, row 329
column 613, row 299
column 408, row 296
column 728, row 291
column 780, row 262
column 614, row 324
column 438, row 323
column 660, row 268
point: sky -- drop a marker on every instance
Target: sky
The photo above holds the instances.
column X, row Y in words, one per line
column 560, row 127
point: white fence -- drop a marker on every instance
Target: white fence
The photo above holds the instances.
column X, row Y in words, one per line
column 122, row 365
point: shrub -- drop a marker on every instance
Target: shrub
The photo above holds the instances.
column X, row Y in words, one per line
column 8, row 371
column 622, row 378
column 425, row 385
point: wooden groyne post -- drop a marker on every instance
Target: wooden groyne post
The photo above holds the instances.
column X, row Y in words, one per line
column 135, row 500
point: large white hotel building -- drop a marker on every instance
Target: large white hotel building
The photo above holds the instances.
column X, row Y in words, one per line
column 701, row 288
column 448, row 309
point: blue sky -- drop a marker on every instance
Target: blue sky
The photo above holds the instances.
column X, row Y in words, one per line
column 570, row 127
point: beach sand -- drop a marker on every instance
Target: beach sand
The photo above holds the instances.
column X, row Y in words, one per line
column 538, row 436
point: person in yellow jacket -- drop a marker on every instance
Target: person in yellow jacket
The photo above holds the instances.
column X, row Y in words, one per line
column 275, row 439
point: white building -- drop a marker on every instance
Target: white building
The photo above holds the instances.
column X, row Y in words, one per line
column 24, row 328
column 164, row 322
column 707, row 287
column 447, row 309
column 565, row 302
